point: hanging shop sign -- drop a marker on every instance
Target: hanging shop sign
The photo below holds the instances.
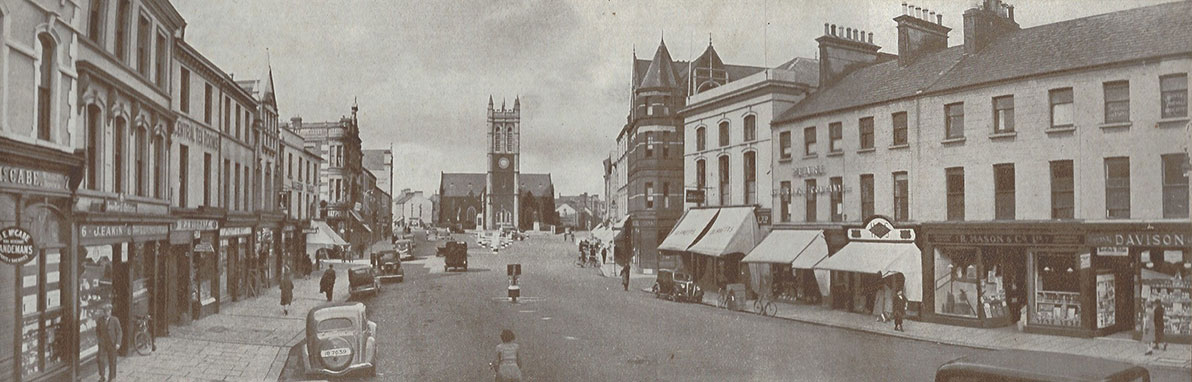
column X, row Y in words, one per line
column 762, row 215
column 1140, row 239
column 880, row 229
column 16, row 246
column 695, row 196
column 19, row 176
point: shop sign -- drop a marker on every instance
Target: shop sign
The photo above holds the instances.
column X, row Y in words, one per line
column 16, row 246
column 821, row 190
column 310, row 230
column 204, row 247
column 1113, row 251
column 119, row 206
column 880, row 229
column 33, row 178
column 1002, row 239
column 695, row 196
column 1086, row 260
column 1139, row 239
column 808, row 171
column 103, row 231
column 235, row 231
column 196, row 225
column 762, row 215
column 150, row 230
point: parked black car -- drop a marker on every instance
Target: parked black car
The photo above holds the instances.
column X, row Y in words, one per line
column 389, row 266
column 363, row 281
column 677, row 286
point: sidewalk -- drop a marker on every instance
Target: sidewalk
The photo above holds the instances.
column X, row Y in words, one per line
column 1177, row 356
column 248, row 340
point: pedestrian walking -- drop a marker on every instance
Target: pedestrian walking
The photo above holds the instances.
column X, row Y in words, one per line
column 899, row 310
column 1158, row 311
column 603, row 255
column 508, row 365
column 287, row 291
column 109, row 332
column 327, row 283
column 625, row 277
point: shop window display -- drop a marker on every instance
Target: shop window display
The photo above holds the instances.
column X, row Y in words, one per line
column 1167, row 277
column 1057, row 290
column 41, row 347
column 95, row 290
column 956, row 282
column 993, row 287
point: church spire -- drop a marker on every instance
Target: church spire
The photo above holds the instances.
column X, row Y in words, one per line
column 490, row 101
column 517, row 103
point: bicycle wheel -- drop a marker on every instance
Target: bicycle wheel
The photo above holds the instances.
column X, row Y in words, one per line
column 141, row 342
column 759, row 307
column 771, row 309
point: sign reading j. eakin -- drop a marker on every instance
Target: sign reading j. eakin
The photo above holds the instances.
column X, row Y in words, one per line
column 16, row 246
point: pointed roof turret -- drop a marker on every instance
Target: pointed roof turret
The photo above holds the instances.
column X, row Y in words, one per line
column 502, row 104
column 661, row 73
column 490, row 101
column 517, row 103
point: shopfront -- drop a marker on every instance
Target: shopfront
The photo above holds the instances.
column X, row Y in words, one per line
column 1135, row 264
column 781, row 266
column 233, row 257
column 119, row 266
column 691, row 225
column 37, row 264
column 267, row 263
column 718, row 251
column 193, row 250
column 878, row 260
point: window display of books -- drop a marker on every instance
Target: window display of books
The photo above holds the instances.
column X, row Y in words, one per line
column 1176, row 296
column 1057, row 308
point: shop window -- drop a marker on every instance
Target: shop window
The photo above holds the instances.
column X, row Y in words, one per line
column 954, row 179
column 1057, row 290
column 42, row 346
column 751, row 177
column 866, row 196
column 837, row 198
column 1175, row 185
column 784, row 197
column 1173, row 94
column 1117, row 101
column 725, row 190
column 1003, row 191
column 809, row 141
column 899, row 122
column 1117, row 188
column 901, row 197
column 865, row 131
column 809, row 197
column 1061, row 107
column 750, row 128
column 784, row 145
column 1165, row 276
column 1063, row 204
column 701, row 138
column 954, row 120
column 724, row 134
column 95, row 291
column 1003, row 114
column 957, row 282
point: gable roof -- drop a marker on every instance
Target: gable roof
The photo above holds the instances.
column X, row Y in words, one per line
column 1129, row 35
column 454, row 185
column 537, row 184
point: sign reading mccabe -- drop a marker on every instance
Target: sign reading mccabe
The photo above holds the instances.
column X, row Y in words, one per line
column 16, row 246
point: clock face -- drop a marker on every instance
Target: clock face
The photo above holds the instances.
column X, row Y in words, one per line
column 503, row 162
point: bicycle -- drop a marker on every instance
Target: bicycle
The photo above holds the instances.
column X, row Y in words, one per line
column 142, row 340
column 765, row 306
column 726, row 299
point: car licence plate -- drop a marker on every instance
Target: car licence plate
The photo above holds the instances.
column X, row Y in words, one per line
column 338, row 352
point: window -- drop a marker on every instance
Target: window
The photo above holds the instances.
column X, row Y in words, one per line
column 1117, row 101
column 207, row 103
column 141, row 161
column 118, row 164
column 245, row 200
column 784, row 197
column 750, row 177
column 1061, row 107
column 649, row 195
column 1117, row 188
column 95, row 21
column 649, row 144
column 954, row 179
column 1003, row 191
column 184, row 91
column 183, row 175
column 236, row 189
column 1003, row 114
column 1173, row 93
column 1175, row 185
column 227, row 116
column 784, row 145
column 226, row 180
column 497, row 139
column 509, row 138
column 809, row 141
column 724, row 134
column 143, row 46
column 957, row 281
column 122, row 30
column 159, row 70
column 94, row 134
column 206, row 179
column 701, row 174
column 665, row 195
column 45, row 85
column 750, row 128
column 725, row 190
column 900, row 127
column 238, row 123
column 837, row 195
column 954, row 122
column 289, row 166
column 809, row 197
column 901, row 197
column 835, row 135
column 865, row 130
column 665, row 143
column 866, row 196
column 1063, row 202
column 701, row 138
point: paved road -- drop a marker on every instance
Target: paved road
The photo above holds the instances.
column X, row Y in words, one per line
column 574, row 325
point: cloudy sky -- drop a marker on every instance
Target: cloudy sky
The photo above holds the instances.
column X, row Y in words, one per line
column 422, row 71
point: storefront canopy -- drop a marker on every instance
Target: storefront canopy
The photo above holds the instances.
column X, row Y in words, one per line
column 881, row 258
column 323, row 236
column 603, row 234
column 800, row 249
column 690, row 226
column 734, row 230
column 620, row 224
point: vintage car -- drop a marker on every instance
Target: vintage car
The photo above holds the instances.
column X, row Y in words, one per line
column 389, row 266
column 405, row 248
column 677, row 286
column 455, row 256
column 363, row 280
column 1027, row 365
column 340, row 340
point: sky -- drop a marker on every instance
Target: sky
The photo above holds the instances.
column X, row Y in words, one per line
column 422, row 71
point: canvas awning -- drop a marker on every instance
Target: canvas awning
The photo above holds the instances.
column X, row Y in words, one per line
column 323, row 235
column 356, row 215
column 802, row 249
column 620, row 224
column 735, row 230
column 690, row 226
column 881, row 258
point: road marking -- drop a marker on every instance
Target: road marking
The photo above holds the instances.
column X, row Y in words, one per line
column 570, row 338
column 545, row 318
column 527, row 311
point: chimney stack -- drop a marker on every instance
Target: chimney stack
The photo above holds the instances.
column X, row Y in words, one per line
column 842, row 50
column 987, row 23
column 920, row 33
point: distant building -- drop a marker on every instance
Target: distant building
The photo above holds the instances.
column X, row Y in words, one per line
column 413, row 209
column 583, row 211
column 380, row 162
column 342, row 186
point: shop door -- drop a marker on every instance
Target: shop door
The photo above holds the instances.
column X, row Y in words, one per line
column 120, row 290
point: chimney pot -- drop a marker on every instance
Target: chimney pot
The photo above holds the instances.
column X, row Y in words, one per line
column 833, row 29
column 1010, row 11
column 931, row 16
column 918, row 13
column 826, row 29
column 939, row 18
column 904, row 9
column 870, row 37
column 848, row 33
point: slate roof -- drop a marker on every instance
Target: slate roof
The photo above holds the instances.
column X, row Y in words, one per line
column 1152, row 31
column 661, row 72
column 454, row 185
column 537, row 184
column 806, row 70
column 373, row 159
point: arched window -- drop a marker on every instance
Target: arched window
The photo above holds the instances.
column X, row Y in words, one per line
column 725, row 191
column 497, row 139
column 118, row 154
column 159, row 159
column 509, row 138
column 95, row 20
column 141, row 159
column 701, row 138
column 45, row 85
column 750, row 128
column 701, row 174
column 94, row 133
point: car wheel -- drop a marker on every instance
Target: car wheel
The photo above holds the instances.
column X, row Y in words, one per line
column 654, row 290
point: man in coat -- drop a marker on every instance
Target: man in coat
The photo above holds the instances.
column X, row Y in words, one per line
column 327, row 283
column 110, row 333
column 899, row 310
column 625, row 277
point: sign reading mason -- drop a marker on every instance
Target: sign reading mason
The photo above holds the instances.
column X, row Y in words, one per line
column 16, row 246
column 1002, row 239
column 1139, row 239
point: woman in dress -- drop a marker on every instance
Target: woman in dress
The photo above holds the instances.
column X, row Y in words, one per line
column 287, row 291
column 508, row 365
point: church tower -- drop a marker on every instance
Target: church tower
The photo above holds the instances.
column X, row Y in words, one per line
column 501, row 202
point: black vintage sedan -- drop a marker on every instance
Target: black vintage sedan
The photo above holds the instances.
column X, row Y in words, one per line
column 389, row 266
column 677, row 286
column 362, row 281
column 340, row 340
